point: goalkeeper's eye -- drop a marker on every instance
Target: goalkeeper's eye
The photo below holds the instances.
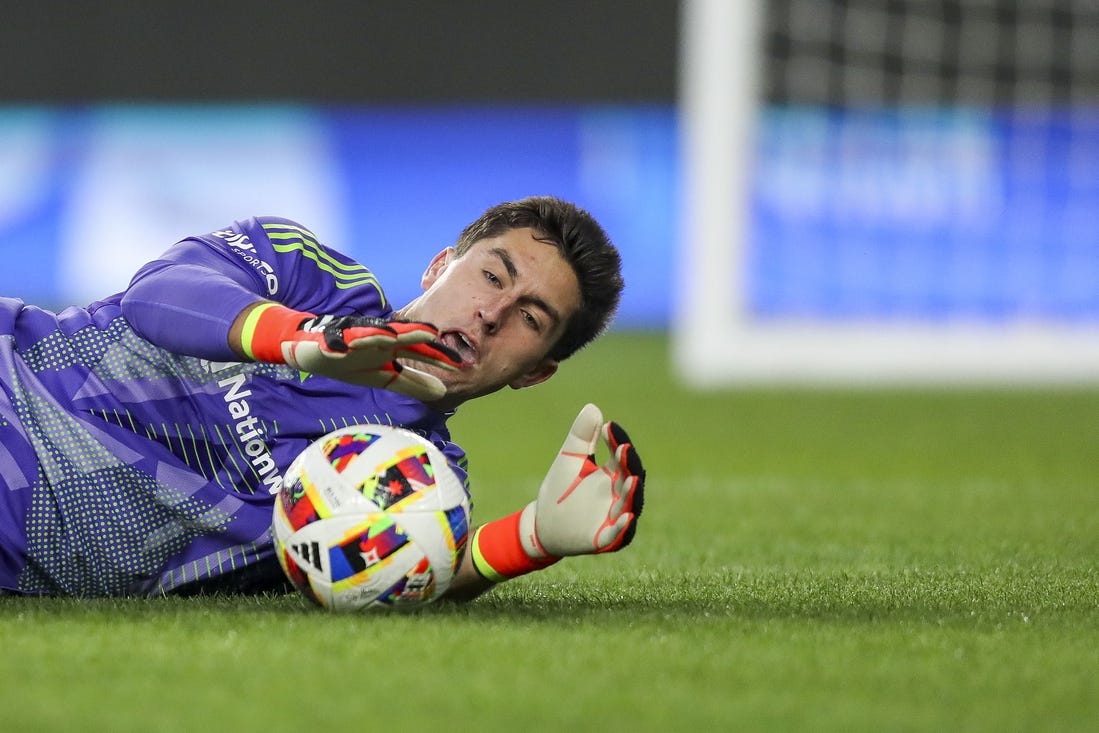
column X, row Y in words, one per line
column 531, row 321
column 491, row 277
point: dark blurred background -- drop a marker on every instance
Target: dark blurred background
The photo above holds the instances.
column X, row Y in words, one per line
column 342, row 51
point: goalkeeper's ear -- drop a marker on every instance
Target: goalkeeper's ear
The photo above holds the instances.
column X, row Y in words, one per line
column 436, row 267
column 540, row 373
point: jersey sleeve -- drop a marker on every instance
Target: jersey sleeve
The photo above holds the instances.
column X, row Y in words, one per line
column 186, row 300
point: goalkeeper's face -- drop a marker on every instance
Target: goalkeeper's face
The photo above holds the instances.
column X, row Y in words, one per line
column 502, row 305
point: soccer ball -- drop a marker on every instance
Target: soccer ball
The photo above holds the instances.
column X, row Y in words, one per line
column 371, row 516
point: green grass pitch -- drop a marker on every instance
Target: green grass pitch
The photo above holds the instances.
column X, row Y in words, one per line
column 819, row 560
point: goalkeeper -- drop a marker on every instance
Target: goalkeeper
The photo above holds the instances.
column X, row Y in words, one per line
column 142, row 439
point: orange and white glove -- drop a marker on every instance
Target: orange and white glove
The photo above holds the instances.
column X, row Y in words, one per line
column 355, row 349
column 582, row 508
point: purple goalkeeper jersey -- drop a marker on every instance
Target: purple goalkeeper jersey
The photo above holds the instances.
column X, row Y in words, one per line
column 137, row 456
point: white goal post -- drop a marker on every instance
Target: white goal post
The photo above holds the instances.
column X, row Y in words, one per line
column 717, row 339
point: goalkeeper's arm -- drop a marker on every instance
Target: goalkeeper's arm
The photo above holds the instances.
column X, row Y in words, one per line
column 582, row 508
column 189, row 302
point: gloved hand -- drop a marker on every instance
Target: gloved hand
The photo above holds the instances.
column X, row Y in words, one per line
column 355, row 349
column 582, row 508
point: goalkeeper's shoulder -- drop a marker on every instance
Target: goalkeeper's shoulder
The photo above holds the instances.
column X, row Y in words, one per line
column 266, row 234
column 279, row 223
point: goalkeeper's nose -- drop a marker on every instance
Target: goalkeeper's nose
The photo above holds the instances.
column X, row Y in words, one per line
column 490, row 315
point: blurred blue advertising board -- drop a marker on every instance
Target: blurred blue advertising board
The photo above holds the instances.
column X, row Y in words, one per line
column 87, row 195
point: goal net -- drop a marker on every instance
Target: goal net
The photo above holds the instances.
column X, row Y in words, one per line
column 902, row 191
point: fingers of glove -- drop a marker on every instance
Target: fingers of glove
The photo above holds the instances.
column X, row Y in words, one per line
column 367, row 337
column 624, row 495
column 433, row 353
column 627, row 536
column 614, row 435
column 337, row 331
column 637, row 495
column 353, row 369
column 630, row 499
column 309, row 355
column 414, row 383
column 631, row 462
column 612, row 536
column 346, row 332
column 574, row 462
column 627, row 505
column 584, row 432
column 413, row 332
column 623, row 469
column 360, row 366
column 381, row 348
column 365, row 356
column 403, row 339
column 628, row 462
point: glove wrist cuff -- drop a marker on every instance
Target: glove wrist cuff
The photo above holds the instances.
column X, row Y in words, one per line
column 265, row 329
column 499, row 552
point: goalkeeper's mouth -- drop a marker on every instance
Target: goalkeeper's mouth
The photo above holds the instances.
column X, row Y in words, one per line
column 461, row 344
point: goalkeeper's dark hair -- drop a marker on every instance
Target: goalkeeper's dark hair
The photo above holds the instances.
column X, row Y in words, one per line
column 582, row 242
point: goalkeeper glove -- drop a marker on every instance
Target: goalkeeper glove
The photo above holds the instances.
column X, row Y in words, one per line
column 355, row 349
column 582, row 508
